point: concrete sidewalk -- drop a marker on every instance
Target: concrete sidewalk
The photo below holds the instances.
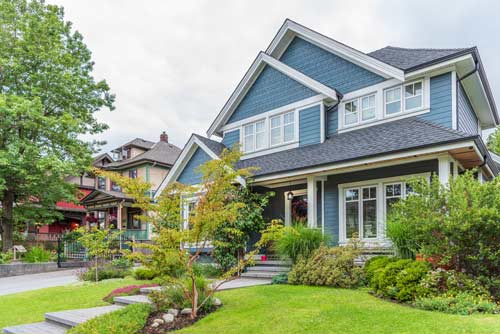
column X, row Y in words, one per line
column 15, row 284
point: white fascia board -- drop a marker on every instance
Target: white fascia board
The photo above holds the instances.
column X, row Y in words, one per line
column 247, row 81
column 186, row 154
column 330, row 169
column 342, row 50
column 300, row 77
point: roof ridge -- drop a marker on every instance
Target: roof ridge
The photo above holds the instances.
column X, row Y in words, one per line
column 425, row 49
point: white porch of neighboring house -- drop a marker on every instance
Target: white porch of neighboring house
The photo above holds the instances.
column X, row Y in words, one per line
column 115, row 210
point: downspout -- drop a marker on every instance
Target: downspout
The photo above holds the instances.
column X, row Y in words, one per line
column 339, row 99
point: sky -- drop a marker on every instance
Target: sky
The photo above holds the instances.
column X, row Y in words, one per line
column 173, row 64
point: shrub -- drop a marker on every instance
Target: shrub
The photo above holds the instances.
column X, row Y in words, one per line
column 438, row 282
column 384, row 281
column 329, row 266
column 122, row 262
column 280, row 279
column 106, row 272
column 207, row 270
column 128, row 320
column 463, row 303
column 6, row 257
column 38, row 254
column 299, row 241
column 408, row 281
column 144, row 274
column 129, row 290
column 375, row 264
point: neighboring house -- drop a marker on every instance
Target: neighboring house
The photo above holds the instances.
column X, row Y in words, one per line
column 73, row 213
column 335, row 131
column 107, row 205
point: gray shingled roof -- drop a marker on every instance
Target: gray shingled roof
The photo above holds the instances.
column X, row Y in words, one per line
column 213, row 145
column 406, row 59
column 137, row 142
column 391, row 137
column 162, row 152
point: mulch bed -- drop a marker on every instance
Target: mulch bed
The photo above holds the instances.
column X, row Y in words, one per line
column 179, row 322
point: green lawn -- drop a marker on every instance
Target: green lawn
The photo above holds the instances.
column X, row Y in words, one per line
column 30, row 306
column 298, row 309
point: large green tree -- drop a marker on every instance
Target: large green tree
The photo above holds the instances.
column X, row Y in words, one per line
column 48, row 98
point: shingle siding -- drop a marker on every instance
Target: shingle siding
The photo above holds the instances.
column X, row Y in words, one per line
column 332, row 189
column 327, row 68
column 271, row 90
column 467, row 119
column 310, row 126
column 189, row 174
column 231, row 138
column 441, row 97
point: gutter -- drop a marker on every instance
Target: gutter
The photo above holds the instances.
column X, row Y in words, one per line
column 339, row 99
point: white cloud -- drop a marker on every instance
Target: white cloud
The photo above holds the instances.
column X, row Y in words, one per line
column 173, row 64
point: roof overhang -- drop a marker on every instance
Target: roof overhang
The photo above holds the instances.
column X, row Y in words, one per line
column 471, row 74
column 291, row 29
column 252, row 74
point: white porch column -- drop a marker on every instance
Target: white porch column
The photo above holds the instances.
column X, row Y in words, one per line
column 312, row 199
column 444, row 169
column 119, row 216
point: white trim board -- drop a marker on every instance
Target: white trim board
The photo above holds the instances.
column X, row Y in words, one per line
column 250, row 77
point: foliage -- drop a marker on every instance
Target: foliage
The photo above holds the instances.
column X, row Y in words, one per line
column 439, row 282
column 38, row 254
column 493, row 142
column 72, row 236
column 6, row 257
column 280, row 279
column 207, row 270
column 99, row 244
column 375, row 264
column 456, row 225
column 333, row 267
column 122, row 262
column 402, row 238
column 48, row 100
column 102, row 273
column 299, row 242
column 128, row 290
column 463, row 303
column 216, row 205
column 144, row 274
column 129, row 320
column 175, row 296
column 231, row 239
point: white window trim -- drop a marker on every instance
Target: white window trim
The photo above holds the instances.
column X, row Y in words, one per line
column 243, row 135
column 380, row 114
column 288, row 207
column 359, row 113
column 381, row 239
column 402, row 101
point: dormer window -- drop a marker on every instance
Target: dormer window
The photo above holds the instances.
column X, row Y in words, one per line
column 393, row 101
column 353, row 114
column 282, row 128
column 413, row 98
column 254, row 136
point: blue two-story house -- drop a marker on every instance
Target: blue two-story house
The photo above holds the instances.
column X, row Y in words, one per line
column 335, row 131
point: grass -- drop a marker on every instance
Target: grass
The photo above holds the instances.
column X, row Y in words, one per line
column 30, row 306
column 299, row 309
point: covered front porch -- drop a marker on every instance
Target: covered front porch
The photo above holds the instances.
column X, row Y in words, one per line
column 354, row 199
column 110, row 209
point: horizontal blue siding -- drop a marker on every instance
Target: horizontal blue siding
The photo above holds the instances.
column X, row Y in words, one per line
column 467, row 119
column 231, row 138
column 332, row 189
column 441, row 97
column 327, row 68
column 189, row 174
column 332, row 121
column 310, row 126
column 271, row 90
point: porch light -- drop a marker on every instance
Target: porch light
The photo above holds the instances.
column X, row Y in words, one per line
column 289, row 196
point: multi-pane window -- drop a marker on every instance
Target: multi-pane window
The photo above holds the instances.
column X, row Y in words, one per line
column 189, row 206
column 368, row 107
column 101, row 183
column 351, row 112
column 393, row 193
column 282, row 128
column 393, row 101
column 115, row 186
column 254, row 137
column 361, row 212
column 132, row 173
column 413, row 96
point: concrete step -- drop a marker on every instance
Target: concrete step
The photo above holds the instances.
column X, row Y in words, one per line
column 146, row 291
column 38, row 328
column 127, row 300
column 259, row 274
column 273, row 263
column 74, row 317
column 276, row 269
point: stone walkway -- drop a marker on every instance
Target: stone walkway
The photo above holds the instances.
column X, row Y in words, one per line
column 15, row 284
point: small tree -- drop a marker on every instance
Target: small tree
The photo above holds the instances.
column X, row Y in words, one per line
column 98, row 244
column 177, row 243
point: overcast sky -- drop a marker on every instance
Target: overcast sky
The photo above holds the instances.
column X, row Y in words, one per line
column 173, row 64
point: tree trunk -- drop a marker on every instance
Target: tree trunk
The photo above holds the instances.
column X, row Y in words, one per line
column 194, row 301
column 7, row 220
